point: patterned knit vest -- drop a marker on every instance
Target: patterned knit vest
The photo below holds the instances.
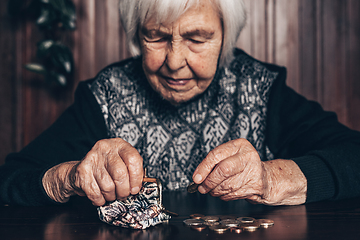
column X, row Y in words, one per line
column 173, row 140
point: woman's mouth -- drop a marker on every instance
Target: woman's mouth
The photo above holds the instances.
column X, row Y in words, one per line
column 177, row 81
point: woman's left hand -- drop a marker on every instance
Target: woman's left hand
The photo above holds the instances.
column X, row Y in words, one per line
column 234, row 171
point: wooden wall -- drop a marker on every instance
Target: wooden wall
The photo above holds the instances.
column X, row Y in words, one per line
column 317, row 40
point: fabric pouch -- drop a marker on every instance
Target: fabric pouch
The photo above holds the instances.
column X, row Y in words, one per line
column 137, row 211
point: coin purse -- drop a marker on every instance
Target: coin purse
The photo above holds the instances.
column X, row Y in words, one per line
column 138, row 211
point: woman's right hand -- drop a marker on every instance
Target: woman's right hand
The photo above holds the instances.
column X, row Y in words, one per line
column 112, row 169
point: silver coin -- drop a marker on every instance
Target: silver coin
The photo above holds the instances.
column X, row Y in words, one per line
column 250, row 227
column 230, row 222
column 210, row 218
column 211, row 223
column 193, row 222
column 265, row 223
column 219, row 228
column 246, row 219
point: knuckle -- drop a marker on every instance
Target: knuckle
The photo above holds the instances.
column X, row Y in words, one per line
column 82, row 170
column 133, row 161
column 95, row 197
column 91, row 155
column 210, row 183
column 108, row 188
column 215, row 154
column 225, row 169
column 102, row 144
column 120, row 173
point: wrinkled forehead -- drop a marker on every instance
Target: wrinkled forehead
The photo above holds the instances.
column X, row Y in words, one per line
column 167, row 11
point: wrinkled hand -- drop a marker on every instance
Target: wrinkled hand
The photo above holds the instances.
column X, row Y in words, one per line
column 234, row 171
column 111, row 170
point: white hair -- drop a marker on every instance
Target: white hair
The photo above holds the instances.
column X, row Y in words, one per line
column 135, row 13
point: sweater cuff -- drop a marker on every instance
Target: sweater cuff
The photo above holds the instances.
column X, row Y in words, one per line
column 37, row 195
column 320, row 182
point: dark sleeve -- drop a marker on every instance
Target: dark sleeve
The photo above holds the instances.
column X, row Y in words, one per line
column 327, row 152
column 68, row 139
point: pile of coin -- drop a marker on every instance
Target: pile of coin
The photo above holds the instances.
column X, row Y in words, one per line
column 221, row 224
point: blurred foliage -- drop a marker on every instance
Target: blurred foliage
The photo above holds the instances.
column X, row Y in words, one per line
column 53, row 17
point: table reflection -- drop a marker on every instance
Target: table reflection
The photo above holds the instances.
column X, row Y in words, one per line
column 79, row 222
column 63, row 227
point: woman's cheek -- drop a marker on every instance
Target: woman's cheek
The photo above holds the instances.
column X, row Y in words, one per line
column 153, row 58
column 203, row 67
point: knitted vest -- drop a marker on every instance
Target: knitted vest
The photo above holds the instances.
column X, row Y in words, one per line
column 173, row 140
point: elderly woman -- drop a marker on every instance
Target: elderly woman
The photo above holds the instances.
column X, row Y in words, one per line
column 188, row 107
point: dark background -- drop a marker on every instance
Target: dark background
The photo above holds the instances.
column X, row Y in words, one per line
column 317, row 40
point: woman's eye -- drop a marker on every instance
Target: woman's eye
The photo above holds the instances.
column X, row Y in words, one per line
column 196, row 41
column 160, row 40
column 156, row 39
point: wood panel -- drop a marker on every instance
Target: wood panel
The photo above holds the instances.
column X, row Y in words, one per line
column 353, row 56
column 8, row 83
column 317, row 40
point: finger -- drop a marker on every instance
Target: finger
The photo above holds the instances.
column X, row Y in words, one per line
column 119, row 175
column 236, row 196
column 106, row 184
column 224, row 170
column 134, row 164
column 91, row 189
column 229, row 185
column 254, row 199
column 213, row 158
column 84, row 184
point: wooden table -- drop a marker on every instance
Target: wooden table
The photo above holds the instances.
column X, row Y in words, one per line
column 79, row 220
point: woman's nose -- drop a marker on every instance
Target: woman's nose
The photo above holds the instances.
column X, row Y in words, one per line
column 175, row 58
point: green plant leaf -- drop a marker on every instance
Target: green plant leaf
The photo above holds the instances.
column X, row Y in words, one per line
column 50, row 15
column 44, row 47
column 69, row 15
column 46, row 18
column 61, row 58
column 35, row 67
column 66, row 13
column 58, row 78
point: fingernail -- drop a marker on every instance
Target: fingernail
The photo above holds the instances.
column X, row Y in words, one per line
column 201, row 189
column 197, row 178
column 135, row 190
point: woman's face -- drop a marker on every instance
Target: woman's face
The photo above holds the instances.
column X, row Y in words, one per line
column 180, row 59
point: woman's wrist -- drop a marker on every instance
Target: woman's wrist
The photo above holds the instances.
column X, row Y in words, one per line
column 56, row 182
column 285, row 183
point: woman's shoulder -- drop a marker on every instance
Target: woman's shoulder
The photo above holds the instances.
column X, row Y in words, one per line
column 250, row 73
column 242, row 57
column 120, row 76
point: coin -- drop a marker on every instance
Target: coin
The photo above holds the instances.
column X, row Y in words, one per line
column 192, row 188
column 193, row 222
column 211, row 223
column 246, row 219
column 265, row 223
column 236, row 229
column 230, row 222
column 197, row 215
column 250, row 227
column 210, row 218
column 199, row 228
column 219, row 228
